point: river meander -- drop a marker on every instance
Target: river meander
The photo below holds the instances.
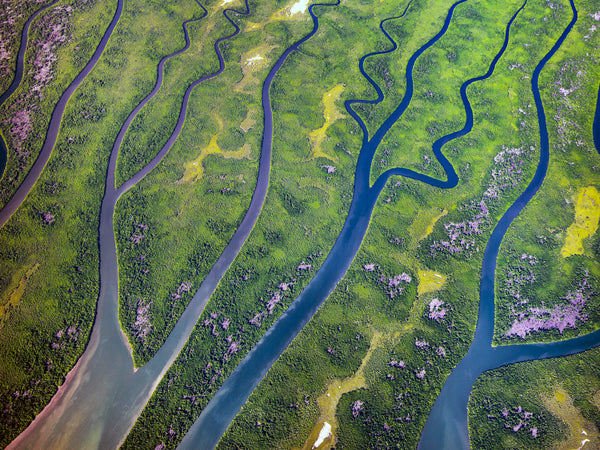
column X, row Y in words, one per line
column 103, row 395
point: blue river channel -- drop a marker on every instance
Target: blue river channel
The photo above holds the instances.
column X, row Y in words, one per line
column 116, row 394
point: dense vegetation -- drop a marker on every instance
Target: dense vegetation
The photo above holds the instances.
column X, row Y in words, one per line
column 405, row 312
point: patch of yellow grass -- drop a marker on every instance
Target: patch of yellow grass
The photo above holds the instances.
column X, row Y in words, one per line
column 14, row 297
column 251, row 62
column 580, row 430
column 197, row 46
column 335, row 389
column 254, row 26
column 430, row 281
column 194, row 169
column 331, row 114
column 429, row 228
column 243, row 152
column 587, row 213
column 429, row 217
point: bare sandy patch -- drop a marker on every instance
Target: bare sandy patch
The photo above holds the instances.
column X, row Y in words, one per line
column 251, row 62
column 301, row 6
column 295, row 10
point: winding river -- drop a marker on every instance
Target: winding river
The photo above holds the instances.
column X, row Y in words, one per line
column 103, row 394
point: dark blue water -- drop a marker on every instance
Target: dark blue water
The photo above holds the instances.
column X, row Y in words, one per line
column 365, row 159
column 361, row 66
column 452, row 177
column 18, row 77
